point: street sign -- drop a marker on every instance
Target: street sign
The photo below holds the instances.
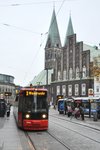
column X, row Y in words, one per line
column 90, row 92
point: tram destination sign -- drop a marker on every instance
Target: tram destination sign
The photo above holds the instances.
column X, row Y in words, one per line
column 35, row 93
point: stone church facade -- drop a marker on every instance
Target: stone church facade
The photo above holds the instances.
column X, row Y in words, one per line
column 71, row 63
column 68, row 68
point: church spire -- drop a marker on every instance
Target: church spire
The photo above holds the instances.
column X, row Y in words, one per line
column 53, row 39
column 70, row 30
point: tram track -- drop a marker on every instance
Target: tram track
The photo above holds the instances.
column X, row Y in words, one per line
column 29, row 141
column 75, row 131
column 51, row 136
column 44, row 139
column 59, row 140
column 55, row 137
column 74, row 122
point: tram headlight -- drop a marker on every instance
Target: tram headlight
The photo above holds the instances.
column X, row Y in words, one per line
column 44, row 116
column 27, row 116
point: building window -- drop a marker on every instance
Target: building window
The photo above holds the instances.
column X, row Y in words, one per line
column 59, row 75
column 64, row 90
column 97, row 89
column 69, row 90
column 83, row 87
column 84, row 71
column 97, row 79
column 77, row 72
column 76, row 89
column 71, row 50
column 70, row 73
column 58, row 90
column 64, row 75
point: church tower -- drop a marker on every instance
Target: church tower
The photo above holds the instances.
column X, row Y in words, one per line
column 53, row 44
column 69, row 52
column 70, row 31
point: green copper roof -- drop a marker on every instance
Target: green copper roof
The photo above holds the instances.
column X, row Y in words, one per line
column 41, row 78
column 53, row 39
column 70, row 30
column 94, row 51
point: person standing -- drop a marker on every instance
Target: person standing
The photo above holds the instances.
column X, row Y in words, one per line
column 69, row 110
column 65, row 107
column 82, row 112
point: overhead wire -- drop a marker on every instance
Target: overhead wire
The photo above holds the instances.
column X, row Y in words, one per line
column 5, row 24
column 52, row 23
column 20, row 28
column 32, row 3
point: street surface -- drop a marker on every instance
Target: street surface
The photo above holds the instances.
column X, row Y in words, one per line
column 63, row 134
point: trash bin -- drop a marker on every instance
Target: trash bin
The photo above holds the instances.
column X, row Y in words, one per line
column 95, row 117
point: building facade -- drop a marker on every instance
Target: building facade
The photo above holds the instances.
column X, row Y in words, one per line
column 7, row 87
column 72, row 64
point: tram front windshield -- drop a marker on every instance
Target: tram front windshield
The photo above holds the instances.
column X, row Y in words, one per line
column 35, row 103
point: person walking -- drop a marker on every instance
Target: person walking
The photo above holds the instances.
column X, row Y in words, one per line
column 82, row 112
column 8, row 109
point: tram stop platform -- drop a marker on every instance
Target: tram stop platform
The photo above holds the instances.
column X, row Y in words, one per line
column 11, row 138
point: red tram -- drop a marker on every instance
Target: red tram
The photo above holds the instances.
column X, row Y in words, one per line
column 31, row 109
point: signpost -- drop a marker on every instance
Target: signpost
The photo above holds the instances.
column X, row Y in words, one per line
column 90, row 92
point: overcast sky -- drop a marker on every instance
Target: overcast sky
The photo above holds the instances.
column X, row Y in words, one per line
column 23, row 32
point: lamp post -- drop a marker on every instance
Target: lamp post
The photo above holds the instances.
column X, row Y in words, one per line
column 47, row 77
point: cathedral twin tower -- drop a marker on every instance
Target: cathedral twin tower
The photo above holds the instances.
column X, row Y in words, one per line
column 66, row 61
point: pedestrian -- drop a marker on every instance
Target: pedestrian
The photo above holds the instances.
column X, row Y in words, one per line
column 77, row 112
column 82, row 112
column 8, row 109
column 54, row 106
column 69, row 110
column 65, row 107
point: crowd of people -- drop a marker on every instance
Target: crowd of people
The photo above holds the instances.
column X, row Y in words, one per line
column 74, row 111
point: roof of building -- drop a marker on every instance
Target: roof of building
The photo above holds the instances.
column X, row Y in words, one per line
column 41, row 78
column 53, row 38
column 70, row 30
column 94, row 51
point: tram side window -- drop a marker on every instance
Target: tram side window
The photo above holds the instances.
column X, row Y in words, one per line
column 20, row 103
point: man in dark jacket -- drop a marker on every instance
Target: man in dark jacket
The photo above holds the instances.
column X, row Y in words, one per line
column 82, row 112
